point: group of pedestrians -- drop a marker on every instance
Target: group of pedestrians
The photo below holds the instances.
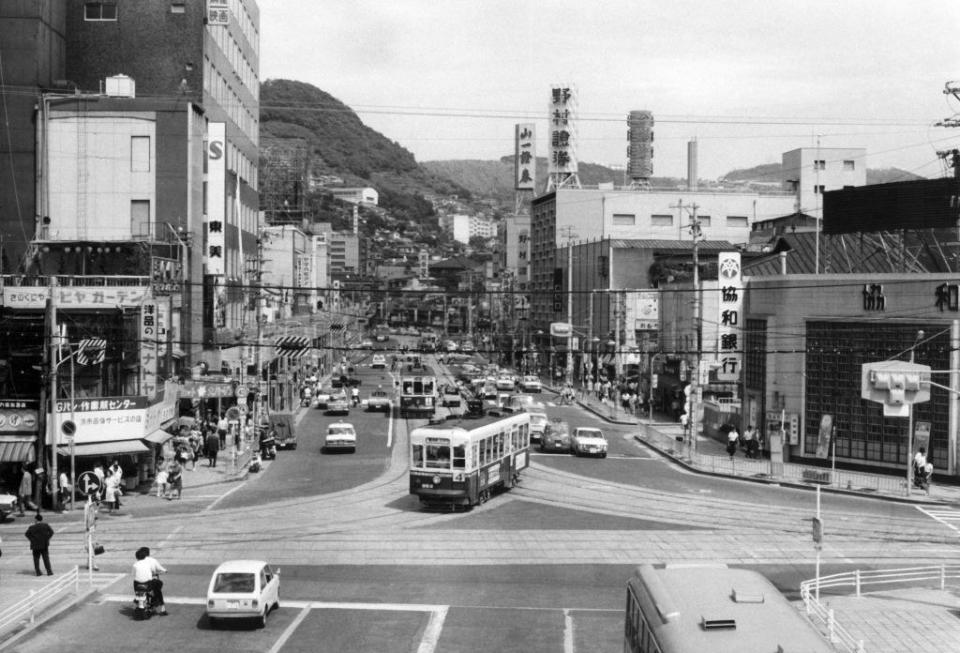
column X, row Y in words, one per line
column 922, row 470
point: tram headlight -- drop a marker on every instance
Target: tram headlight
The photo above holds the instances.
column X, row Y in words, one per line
column 436, row 480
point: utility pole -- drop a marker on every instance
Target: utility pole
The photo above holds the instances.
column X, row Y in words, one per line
column 693, row 419
column 53, row 426
column 569, row 234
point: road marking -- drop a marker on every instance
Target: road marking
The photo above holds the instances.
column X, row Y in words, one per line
column 300, row 605
column 949, row 517
column 224, row 496
column 288, row 632
column 431, row 634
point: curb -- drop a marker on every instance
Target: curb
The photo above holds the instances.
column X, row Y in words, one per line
column 46, row 616
column 791, row 484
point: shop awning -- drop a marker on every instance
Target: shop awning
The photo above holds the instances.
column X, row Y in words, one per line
column 112, row 448
column 17, row 448
column 159, row 436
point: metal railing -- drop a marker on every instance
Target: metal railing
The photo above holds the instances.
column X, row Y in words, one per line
column 25, row 612
column 937, row 575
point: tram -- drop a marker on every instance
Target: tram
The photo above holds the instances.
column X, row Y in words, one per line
column 694, row 608
column 461, row 463
column 418, row 391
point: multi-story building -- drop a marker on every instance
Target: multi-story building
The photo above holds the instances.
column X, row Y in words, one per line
column 457, row 225
column 811, row 171
column 364, row 195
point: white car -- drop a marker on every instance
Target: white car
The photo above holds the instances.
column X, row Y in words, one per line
column 243, row 589
column 379, row 400
column 505, row 382
column 538, row 424
column 379, row 361
column 589, row 442
column 340, row 435
column 8, row 504
column 531, row 383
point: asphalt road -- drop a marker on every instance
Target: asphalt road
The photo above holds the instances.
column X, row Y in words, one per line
column 543, row 606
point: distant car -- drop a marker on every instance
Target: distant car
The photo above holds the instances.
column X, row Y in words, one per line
column 8, row 504
column 338, row 404
column 505, row 382
column 379, row 361
column 243, row 589
column 518, row 403
column 450, row 397
column 556, row 437
column 382, row 337
column 589, row 442
column 322, row 398
column 366, row 344
column 450, row 346
column 379, row 399
column 340, row 436
column 531, row 383
column 467, row 348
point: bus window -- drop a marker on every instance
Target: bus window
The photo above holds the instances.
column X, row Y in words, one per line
column 474, row 455
column 487, row 450
column 499, row 445
column 416, row 456
column 459, row 455
column 438, row 456
column 428, row 387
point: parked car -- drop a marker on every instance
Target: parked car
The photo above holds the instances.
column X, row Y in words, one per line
column 340, row 436
column 467, row 348
column 379, row 399
column 243, row 589
column 379, row 361
column 556, row 437
column 8, row 504
column 589, row 441
column 531, row 383
column 339, row 404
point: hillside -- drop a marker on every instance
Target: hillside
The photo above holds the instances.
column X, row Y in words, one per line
column 341, row 145
column 773, row 172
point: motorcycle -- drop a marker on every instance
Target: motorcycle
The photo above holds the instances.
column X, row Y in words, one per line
column 143, row 600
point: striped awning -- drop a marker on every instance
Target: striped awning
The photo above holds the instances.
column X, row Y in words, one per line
column 17, row 448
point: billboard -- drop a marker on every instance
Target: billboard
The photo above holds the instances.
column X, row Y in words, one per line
column 525, row 157
column 215, row 218
column 729, row 311
column 919, row 204
column 563, row 133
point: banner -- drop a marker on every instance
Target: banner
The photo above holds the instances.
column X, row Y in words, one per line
column 215, row 219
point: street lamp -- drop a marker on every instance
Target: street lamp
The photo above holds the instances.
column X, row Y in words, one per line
column 913, row 349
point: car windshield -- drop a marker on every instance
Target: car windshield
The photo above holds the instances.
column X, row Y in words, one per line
column 586, row 433
column 340, row 430
column 234, row 583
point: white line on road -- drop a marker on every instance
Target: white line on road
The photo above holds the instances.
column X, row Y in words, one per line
column 223, row 496
column 300, row 605
column 567, row 632
column 431, row 634
column 946, row 516
column 288, row 632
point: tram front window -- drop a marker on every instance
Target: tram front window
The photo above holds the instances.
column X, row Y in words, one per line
column 459, row 456
column 438, row 456
column 416, row 456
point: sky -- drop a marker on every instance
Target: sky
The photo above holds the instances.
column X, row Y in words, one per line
column 749, row 79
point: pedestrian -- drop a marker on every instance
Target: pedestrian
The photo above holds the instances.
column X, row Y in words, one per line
column 213, row 448
column 40, row 535
column 733, row 439
column 101, row 477
column 25, row 490
column 175, row 479
column 162, row 485
column 222, row 426
column 927, row 475
column 115, row 468
column 66, row 489
column 750, row 441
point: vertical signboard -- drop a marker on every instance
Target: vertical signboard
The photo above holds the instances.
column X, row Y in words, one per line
column 563, row 136
column 148, row 347
column 525, row 157
column 216, row 197
column 218, row 12
column 729, row 312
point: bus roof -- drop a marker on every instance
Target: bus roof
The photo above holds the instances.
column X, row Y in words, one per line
column 722, row 610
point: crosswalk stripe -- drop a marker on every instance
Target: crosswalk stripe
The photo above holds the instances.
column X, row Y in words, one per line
column 947, row 516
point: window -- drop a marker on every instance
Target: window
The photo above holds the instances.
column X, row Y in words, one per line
column 140, row 217
column 100, row 11
column 849, row 166
column 818, row 189
column 704, row 221
column 737, row 221
column 819, row 164
column 661, row 220
column 139, row 154
column 178, row 8
column 624, row 219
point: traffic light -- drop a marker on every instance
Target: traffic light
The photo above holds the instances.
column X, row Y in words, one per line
column 895, row 384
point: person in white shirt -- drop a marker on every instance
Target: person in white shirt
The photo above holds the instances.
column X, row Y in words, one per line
column 146, row 572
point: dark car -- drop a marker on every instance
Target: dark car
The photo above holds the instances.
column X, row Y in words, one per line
column 556, row 437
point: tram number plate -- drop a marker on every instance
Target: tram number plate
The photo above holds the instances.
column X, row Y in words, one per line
column 427, row 485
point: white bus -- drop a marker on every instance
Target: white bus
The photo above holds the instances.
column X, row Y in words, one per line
column 698, row 608
column 460, row 463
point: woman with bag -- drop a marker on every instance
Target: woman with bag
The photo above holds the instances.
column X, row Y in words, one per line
column 175, row 479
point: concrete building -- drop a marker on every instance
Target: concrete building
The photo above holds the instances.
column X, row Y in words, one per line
column 365, row 195
column 514, row 249
column 286, row 272
column 457, row 225
column 811, row 171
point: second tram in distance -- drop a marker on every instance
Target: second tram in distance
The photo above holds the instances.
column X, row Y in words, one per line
column 418, row 390
column 460, row 463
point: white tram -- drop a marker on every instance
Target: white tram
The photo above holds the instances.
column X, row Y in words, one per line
column 460, row 463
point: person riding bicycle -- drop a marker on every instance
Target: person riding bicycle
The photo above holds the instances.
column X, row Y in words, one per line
column 146, row 577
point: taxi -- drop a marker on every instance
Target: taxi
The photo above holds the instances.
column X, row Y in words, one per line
column 243, row 589
column 589, row 442
column 340, row 435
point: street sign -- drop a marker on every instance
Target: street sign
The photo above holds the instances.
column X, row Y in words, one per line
column 560, row 329
column 68, row 428
column 89, row 483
